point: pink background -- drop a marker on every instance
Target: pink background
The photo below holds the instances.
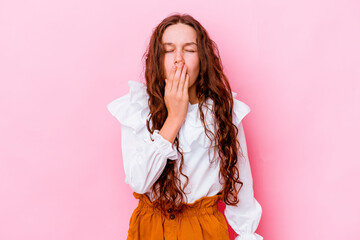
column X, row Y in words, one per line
column 295, row 63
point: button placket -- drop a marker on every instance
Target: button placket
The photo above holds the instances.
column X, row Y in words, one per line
column 171, row 216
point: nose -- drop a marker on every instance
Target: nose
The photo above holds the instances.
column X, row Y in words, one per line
column 178, row 58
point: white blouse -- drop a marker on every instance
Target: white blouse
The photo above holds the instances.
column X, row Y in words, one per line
column 144, row 160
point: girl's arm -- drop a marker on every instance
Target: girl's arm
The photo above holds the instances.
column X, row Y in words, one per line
column 170, row 128
column 144, row 160
column 245, row 217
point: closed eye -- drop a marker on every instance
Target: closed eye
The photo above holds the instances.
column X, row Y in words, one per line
column 185, row 50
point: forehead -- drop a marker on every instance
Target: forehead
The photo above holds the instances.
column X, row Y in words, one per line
column 179, row 34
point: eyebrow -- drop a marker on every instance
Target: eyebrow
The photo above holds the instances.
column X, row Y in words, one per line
column 185, row 44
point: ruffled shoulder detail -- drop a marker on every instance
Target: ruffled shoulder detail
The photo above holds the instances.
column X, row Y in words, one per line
column 240, row 110
column 131, row 109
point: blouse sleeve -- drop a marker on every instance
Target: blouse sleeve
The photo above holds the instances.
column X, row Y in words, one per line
column 144, row 154
column 245, row 217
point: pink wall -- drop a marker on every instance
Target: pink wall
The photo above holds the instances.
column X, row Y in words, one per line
column 295, row 63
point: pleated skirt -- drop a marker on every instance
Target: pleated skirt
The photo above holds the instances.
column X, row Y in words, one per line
column 200, row 220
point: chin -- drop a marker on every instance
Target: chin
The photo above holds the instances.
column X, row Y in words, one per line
column 191, row 85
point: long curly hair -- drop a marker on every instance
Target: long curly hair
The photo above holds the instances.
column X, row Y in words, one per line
column 211, row 83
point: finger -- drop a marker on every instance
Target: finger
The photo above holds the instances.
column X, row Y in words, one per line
column 186, row 84
column 171, row 77
column 182, row 80
column 176, row 78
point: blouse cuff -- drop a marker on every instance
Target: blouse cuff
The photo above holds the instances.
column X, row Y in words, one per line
column 164, row 146
column 249, row 236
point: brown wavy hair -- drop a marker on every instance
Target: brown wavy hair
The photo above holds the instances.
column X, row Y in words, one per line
column 211, row 83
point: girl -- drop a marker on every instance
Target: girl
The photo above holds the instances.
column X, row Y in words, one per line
column 183, row 142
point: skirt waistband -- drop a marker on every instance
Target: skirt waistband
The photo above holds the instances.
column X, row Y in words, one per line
column 204, row 205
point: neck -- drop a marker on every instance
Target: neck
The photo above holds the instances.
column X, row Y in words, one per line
column 192, row 94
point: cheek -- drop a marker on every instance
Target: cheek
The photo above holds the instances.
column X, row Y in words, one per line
column 193, row 70
column 167, row 66
column 193, row 64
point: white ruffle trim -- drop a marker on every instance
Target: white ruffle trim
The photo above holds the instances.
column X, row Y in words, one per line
column 164, row 146
column 240, row 110
column 249, row 236
column 192, row 130
column 132, row 110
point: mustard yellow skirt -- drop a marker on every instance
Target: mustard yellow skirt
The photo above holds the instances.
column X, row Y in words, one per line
column 200, row 220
